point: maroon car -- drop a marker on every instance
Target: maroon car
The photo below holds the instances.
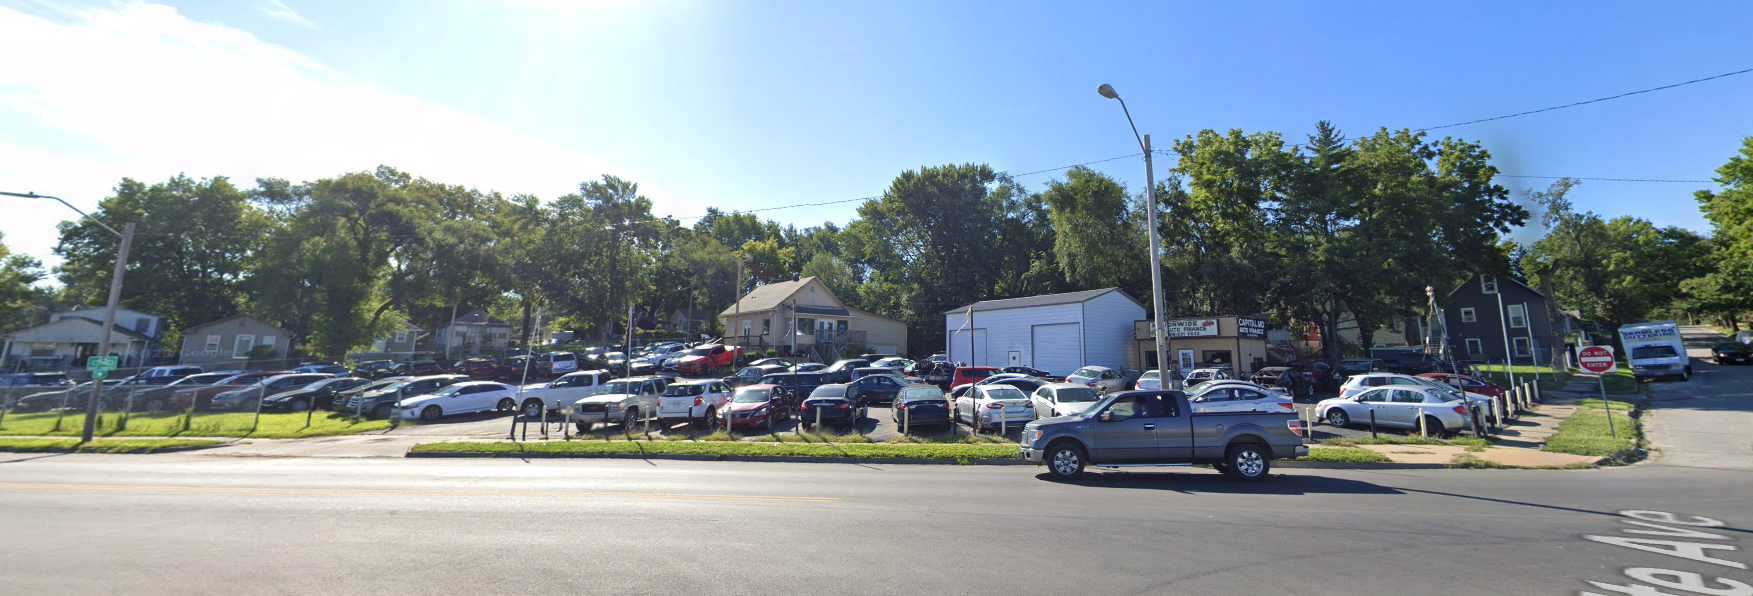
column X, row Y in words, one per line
column 202, row 397
column 1317, row 372
column 760, row 406
column 481, row 368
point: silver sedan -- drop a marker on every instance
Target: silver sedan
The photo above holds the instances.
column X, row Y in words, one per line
column 1398, row 407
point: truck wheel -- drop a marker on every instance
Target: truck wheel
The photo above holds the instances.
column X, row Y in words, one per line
column 628, row 419
column 1065, row 461
column 532, row 408
column 1248, row 461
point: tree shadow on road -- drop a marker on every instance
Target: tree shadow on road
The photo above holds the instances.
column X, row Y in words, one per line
column 1195, row 482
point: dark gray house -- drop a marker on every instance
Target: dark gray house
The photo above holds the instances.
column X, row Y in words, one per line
column 1479, row 312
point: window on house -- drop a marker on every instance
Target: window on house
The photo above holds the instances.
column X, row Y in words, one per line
column 401, row 336
column 1475, row 347
column 1468, row 315
column 267, row 340
column 212, row 344
column 1523, row 349
column 766, row 326
column 243, row 344
column 1488, row 284
column 1518, row 316
column 42, row 349
column 805, row 325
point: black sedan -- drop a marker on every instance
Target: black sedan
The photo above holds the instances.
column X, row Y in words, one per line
column 1732, row 352
column 829, row 404
column 921, row 405
column 1024, row 370
column 875, row 388
column 1285, row 379
column 751, row 374
column 320, row 394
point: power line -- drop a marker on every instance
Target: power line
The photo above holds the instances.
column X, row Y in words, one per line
column 1596, row 100
column 1611, row 179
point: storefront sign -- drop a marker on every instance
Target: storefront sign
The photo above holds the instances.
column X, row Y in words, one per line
column 1192, row 327
column 1250, row 328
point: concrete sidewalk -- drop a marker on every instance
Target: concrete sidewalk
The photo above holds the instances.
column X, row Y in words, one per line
column 1519, row 442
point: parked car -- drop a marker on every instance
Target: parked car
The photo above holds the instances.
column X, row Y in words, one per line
column 967, row 375
column 706, row 358
column 462, row 397
column 859, row 373
column 1149, row 382
column 841, row 371
column 1033, row 372
column 244, row 398
column 1063, row 399
column 1238, row 396
column 1398, row 406
column 1744, row 336
column 1732, row 352
column 1025, row 383
column 1160, row 428
column 1100, row 378
column 201, row 397
column 315, row 395
column 1361, row 383
column 752, row 374
column 1468, row 384
column 697, row 402
column 919, row 405
column 1420, row 364
column 1206, row 375
column 562, row 392
column 171, row 372
column 481, row 368
column 1358, row 366
column 420, row 368
column 810, row 367
column 760, row 406
column 73, row 397
column 829, row 404
column 621, row 401
column 158, row 398
column 36, row 379
column 1319, row 374
column 994, row 406
column 896, row 364
column 1285, row 379
column 554, row 364
column 381, row 403
column 342, row 398
column 779, row 362
column 935, row 372
column 800, row 384
column 875, row 388
column 327, row 369
column 374, row 369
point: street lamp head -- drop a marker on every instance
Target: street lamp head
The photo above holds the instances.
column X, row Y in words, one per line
column 1107, row 91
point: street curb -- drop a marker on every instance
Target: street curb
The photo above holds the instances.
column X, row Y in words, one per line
column 796, row 459
column 96, row 452
column 1317, row 465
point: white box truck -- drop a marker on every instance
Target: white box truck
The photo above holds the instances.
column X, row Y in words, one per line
column 1655, row 350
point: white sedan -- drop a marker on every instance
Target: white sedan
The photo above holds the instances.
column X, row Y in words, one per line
column 1063, row 399
column 994, row 406
column 1238, row 396
column 461, row 398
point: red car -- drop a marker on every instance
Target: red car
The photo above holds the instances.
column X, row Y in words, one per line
column 971, row 374
column 708, row 357
column 202, row 397
column 1317, row 372
column 481, row 368
column 1468, row 384
column 760, row 406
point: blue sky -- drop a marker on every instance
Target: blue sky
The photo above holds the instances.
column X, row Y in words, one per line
column 744, row 105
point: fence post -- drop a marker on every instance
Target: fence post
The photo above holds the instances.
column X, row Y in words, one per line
column 906, row 420
column 261, row 394
column 311, row 411
column 127, row 408
column 544, row 419
column 513, row 433
column 1372, row 422
column 1423, row 433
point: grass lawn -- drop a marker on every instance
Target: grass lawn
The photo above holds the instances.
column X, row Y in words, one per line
column 1344, row 455
column 102, row 445
column 164, row 424
column 1586, row 432
column 1471, row 443
column 728, row 448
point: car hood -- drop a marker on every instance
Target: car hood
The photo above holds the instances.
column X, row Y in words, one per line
column 691, row 358
column 747, row 406
column 605, row 398
column 1333, row 401
column 1070, row 409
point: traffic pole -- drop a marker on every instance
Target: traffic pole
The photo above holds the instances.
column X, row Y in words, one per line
column 1602, row 383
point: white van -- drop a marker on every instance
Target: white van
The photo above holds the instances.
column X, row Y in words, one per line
column 1655, row 350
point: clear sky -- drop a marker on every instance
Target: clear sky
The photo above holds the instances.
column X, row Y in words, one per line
column 745, row 105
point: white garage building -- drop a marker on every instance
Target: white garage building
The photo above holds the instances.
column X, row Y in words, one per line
column 1057, row 333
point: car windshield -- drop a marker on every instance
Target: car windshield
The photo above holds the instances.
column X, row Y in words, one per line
column 619, row 387
column 1653, row 352
column 1087, row 373
column 921, row 393
column 1074, row 395
column 684, row 390
column 1150, row 375
column 752, row 396
column 829, row 391
column 1003, row 393
column 574, row 381
column 1354, row 365
column 1200, row 374
column 749, row 371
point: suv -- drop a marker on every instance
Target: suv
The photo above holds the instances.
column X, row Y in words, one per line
column 554, row 364
column 798, row 384
column 623, row 401
column 562, row 392
column 1286, row 379
column 1317, row 372
column 698, row 402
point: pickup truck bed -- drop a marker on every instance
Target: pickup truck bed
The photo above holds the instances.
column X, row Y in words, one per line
column 1158, row 428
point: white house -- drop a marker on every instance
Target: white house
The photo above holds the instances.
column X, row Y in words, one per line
column 1057, row 333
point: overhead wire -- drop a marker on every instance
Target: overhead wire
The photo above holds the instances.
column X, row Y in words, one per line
column 1596, row 100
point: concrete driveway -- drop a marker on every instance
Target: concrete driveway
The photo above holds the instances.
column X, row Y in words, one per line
column 1706, row 422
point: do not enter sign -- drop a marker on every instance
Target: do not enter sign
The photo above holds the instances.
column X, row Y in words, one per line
column 1597, row 359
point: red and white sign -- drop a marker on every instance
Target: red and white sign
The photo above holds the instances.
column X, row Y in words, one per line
column 1597, row 359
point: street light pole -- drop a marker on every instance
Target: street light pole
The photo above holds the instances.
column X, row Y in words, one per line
column 109, row 315
column 1156, row 270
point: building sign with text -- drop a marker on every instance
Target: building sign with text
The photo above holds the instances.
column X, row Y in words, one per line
column 1250, row 328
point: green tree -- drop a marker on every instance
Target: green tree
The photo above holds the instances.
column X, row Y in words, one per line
column 1098, row 239
column 836, row 274
column 1727, row 293
column 193, row 243
column 21, row 301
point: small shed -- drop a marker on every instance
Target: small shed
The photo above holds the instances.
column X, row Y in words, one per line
column 1057, row 333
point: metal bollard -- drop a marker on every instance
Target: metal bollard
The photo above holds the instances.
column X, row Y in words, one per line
column 310, row 412
column 1423, row 431
column 818, row 420
column 1372, row 423
column 513, row 433
column 906, row 419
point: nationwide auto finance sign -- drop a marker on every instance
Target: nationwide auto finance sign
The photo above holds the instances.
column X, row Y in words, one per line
column 1192, row 327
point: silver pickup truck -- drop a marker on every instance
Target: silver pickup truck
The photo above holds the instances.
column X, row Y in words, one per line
column 1158, row 428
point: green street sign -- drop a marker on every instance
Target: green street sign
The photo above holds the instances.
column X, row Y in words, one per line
column 97, row 364
column 99, row 374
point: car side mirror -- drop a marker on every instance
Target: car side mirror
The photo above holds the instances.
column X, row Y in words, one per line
column 1105, row 416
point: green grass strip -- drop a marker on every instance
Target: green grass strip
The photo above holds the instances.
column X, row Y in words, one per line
column 1344, row 455
column 211, row 424
column 725, row 448
column 1586, row 433
column 103, row 445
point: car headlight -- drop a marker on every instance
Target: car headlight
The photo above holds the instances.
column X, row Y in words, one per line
column 614, row 406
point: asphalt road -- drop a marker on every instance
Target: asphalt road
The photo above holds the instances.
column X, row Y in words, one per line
column 204, row 524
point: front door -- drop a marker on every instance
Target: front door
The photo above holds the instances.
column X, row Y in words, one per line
column 1128, row 434
column 1016, row 358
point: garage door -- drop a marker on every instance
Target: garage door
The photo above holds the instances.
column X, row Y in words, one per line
column 959, row 348
column 1057, row 349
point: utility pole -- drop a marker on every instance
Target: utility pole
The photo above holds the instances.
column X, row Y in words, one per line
column 451, row 331
column 1509, row 355
column 1156, row 268
column 109, row 326
column 737, row 297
